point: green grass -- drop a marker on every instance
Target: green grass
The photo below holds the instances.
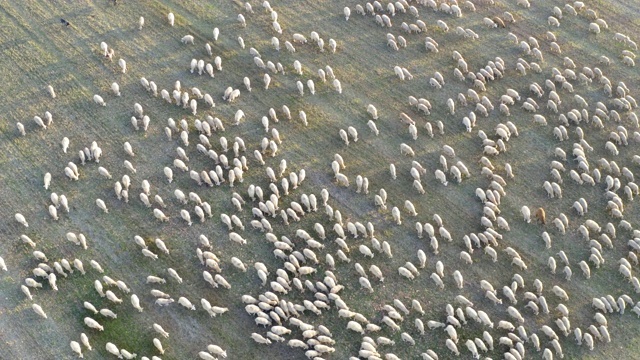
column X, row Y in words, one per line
column 35, row 50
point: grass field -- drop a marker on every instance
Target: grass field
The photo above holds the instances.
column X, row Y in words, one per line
column 36, row 50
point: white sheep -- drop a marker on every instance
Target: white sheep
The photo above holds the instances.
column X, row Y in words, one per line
column 153, row 88
column 242, row 20
column 440, row 176
column 347, row 13
column 526, row 213
column 21, row 219
column 267, row 81
column 406, row 150
column 98, row 100
column 448, row 150
column 611, row 148
column 51, row 92
column 93, row 324
column 337, row 86
column 311, row 86
column 123, row 65
column 21, row 129
column 627, row 60
column 187, row 39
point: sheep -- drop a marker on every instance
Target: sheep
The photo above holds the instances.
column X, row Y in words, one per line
column 526, row 213
column 408, row 205
column 105, row 51
column 75, row 347
column 38, row 310
column 93, row 324
column 442, row 25
column 365, row 284
column 123, row 65
column 627, row 60
column 451, row 345
column 21, row 219
column 235, row 237
column 21, row 129
column 406, row 150
column 489, row 23
column 406, row 338
column 242, row 20
column 448, row 150
column 611, row 148
column 98, row 100
column 153, row 88
column 115, row 88
column 354, row 326
column 187, row 39
column 100, row 203
column 259, row 339
column 52, row 92
column 539, row 119
column 539, row 215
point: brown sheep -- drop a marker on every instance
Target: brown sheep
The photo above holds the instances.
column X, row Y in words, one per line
column 541, row 215
column 406, row 119
column 499, row 21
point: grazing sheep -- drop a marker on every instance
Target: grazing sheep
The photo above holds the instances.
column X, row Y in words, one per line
column 93, row 324
column 526, row 213
column 51, row 92
column 187, row 39
column 123, row 65
column 115, row 88
column 440, row 176
column 98, row 100
column 540, row 215
column 406, row 150
column 627, row 60
column 21, row 219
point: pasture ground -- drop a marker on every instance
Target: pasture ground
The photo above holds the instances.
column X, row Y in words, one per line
column 35, row 50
